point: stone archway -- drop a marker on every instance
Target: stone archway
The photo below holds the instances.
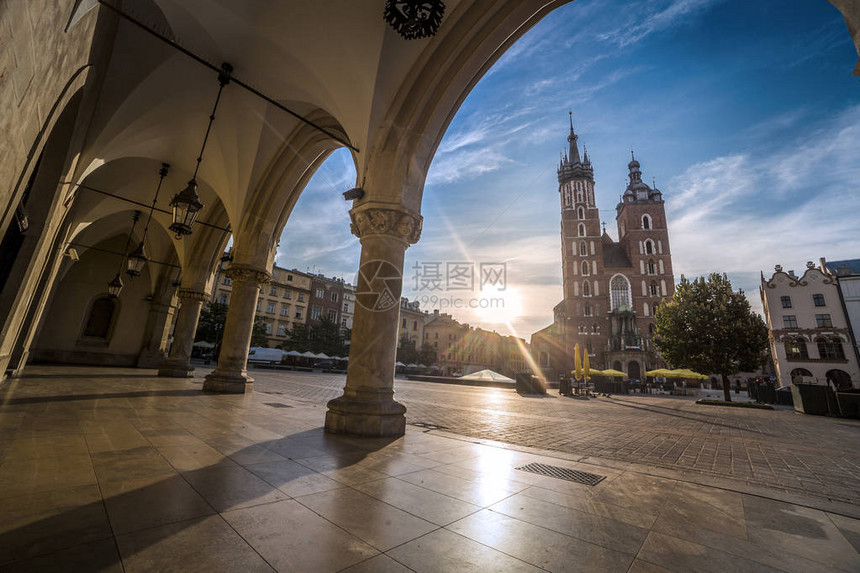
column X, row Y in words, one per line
column 634, row 371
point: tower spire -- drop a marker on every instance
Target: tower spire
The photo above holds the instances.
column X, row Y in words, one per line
column 573, row 156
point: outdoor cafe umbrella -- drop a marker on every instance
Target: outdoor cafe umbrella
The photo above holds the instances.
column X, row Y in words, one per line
column 614, row 373
column 659, row 373
column 585, row 365
column 577, row 362
column 687, row 373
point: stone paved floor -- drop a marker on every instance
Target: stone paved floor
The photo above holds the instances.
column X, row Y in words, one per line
column 778, row 449
column 118, row 470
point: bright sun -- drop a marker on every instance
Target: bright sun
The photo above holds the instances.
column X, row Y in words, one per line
column 499, row 307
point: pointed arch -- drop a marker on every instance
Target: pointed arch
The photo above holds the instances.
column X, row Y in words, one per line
column 619, row 291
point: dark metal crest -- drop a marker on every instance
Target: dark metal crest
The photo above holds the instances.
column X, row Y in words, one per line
column 414, row 19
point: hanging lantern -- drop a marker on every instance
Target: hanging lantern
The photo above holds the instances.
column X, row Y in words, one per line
column 186, row 207
column 136, row 260
column 115, row 286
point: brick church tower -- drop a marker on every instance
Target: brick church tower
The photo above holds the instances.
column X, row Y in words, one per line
column 611, row 288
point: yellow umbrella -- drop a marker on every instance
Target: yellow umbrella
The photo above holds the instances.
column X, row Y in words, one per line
column 577, row 361
column 660, row 372
column 595, row 372
column 614, row 373
column 585, row 365
column 687, row 373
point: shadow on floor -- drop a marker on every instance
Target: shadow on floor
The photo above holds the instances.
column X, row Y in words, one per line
column 104, row 396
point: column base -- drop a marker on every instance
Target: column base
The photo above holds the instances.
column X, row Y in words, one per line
column 375, row 418
column 176, row 370
column 229, row 383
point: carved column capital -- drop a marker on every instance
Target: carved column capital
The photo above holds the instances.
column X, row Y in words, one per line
column 392, row 222
column 191, row 295
column 246, row 273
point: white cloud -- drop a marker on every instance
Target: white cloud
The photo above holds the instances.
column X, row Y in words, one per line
column 654, row 17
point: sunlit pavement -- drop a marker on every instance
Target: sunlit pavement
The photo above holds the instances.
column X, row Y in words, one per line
column 118, row 470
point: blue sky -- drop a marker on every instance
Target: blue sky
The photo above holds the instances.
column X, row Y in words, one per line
column 746, row 114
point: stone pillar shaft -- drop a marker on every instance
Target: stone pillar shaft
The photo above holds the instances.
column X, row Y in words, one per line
column 178, row 364
column 231, row 376
column 367, row 406
column 152, row 355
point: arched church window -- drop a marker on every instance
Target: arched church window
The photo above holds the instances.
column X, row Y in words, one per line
column 586, row 288
column 581, row 230
column 646, row 222
column 652, row 269
column 580, row 213
column 649, row 247
column 583, row 249
column 795, row 348
column 655, row 291
column 619, row 290
column 587, row 310
column 100, row 318
column 585, row 268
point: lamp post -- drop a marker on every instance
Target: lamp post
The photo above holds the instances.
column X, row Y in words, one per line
column 137, row 258
column 186, row 204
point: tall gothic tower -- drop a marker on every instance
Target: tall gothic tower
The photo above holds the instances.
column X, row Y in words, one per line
column 611, row 288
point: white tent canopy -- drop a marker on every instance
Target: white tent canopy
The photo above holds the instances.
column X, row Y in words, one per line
column 204, row 344
column 294, row 353
column 487, row 376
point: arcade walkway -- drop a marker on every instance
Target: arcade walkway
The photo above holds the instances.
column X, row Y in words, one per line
column 119, row 470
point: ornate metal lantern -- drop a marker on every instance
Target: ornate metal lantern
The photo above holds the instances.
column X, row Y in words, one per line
column 186, row 207
column 414, row 19
column 135, row 261
column 115, row 286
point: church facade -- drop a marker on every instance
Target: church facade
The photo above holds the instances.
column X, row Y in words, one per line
column 611, row 288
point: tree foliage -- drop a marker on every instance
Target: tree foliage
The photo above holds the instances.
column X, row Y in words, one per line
column 709, row 328
column 325, row 336
column 407, row 353
column 213, row 316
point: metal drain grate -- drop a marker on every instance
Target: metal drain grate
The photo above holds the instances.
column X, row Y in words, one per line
column 563, row 473
column 276, row 405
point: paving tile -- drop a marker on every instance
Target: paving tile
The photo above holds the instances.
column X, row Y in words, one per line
column 94, row 557
column 293, row 478
column 291, row 537
column 849, row 527
column 640, row 566
column 131, row 464
column 586, row 526
column 204, row 544
column 232, row 487
column 538, row 546
column 799, row 530
column 379, row 564
column 482, row 491
column 194, row 457
column 589, row 503
column 148, row 502
column 46, row 521
column 346, row 469
column 381, row 525
column 426, row 504
column 679, row 555
column 41, row 474
column 704, row 507
column 443, row 550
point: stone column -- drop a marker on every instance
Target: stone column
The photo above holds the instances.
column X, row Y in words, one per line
column 178, row 364
column 152, row 355
column 230, row 376
column 367, row 406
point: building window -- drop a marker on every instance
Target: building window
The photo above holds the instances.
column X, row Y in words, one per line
column 285, row 310
column 282, row 330
column 580, row 213
column 273, row 291
column 345, row 307
column 268, row 328
column 795, row 349
column 619, row 290
column 288, row 294
column 320, row 293
column 316, row 312
column 586, row 288
column 334, row 297
column 259, row 305
column 301, row 297
column 270, row 308
column 789, row 321
column 581, row 230
column 343, row 323
column 587, row 311
column 649, row 247
column 818, row 300
column 830, row 349
column 100, row 319
column 298, row 313
column 332, row 315
column 222, row 298
column 823, row 321
column 583, row 249
column 652, row 270
column 403, row 323
column 290, row 278
column 414, row 325
column 786, row 301
column 585, row 268
column 646, row 222
column 654, row 289
column 228, row 281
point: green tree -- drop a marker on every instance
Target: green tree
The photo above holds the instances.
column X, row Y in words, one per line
column 427, row 356
column 709, row 328
column 406, row 351
column 258, row 334
column 210, row 327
